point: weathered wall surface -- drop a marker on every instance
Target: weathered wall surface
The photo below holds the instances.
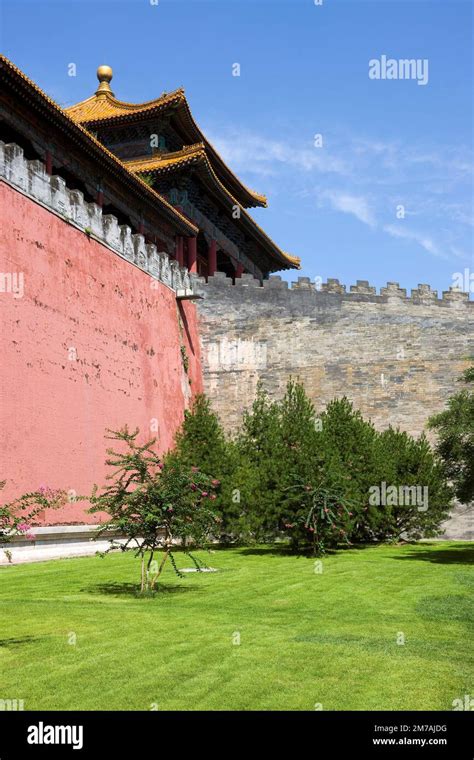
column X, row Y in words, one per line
column 93, row 343
column 397, row 358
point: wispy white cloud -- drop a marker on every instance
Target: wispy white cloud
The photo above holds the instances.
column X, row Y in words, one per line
column 425, row 241
column 368, row 179
column 356, row 205
column 258, row 155
column 402, row 158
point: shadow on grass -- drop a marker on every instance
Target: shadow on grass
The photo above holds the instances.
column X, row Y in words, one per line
column 459, row 554
column 268, row 551
column 275, row 550
column 19, row 642
column 133, row 590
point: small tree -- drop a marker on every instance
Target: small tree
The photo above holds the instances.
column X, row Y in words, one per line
column 257, row 476
column 154, row 504
column 18, row 516
column 455, row 428
column 317, row 517
column 410, row 467
column 201, row 442
column 346, row 448
column 277, row 450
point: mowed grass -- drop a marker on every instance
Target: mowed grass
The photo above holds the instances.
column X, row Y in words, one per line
column 306, row 638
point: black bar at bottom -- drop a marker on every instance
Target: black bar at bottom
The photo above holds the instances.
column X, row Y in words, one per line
column 374, row 734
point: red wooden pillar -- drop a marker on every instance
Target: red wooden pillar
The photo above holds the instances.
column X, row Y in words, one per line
column 212, row 258
column 179, row 250
column 100, row 197
column 49, row 162
column 192, row 254
column 239, row 270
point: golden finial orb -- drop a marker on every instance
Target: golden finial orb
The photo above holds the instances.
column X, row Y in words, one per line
column 104, row 75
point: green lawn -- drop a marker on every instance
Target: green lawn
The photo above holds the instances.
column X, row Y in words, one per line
column 305, row 637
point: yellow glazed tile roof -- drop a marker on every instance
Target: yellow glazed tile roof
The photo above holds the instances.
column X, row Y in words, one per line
column 160, row 162
column 106, row 106
column 103, row 107
column 296, row 260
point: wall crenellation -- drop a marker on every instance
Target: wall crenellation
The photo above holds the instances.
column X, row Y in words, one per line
column 361, row 291
column 31, row 178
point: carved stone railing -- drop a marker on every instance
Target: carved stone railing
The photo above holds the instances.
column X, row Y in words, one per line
column 31, row 178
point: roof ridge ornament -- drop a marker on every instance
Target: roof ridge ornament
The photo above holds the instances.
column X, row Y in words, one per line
column 104, row 75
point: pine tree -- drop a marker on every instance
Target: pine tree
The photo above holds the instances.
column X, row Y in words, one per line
column 346, row 446
column 202, row 443
column 277, row 445
column 259, row 469
column 455, row 428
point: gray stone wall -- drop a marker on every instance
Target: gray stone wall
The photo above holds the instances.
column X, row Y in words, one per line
column 397, row 358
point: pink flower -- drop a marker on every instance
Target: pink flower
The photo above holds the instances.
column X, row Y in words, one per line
column 215, row 482
column 204, row 493
column 161, row 465
column 170, row 509
column 213, row 496
column 23, row 527
column 193, row 487
column 30, row 536
column 47, row 492
column 194, row 469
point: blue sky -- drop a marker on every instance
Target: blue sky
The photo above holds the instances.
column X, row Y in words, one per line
column 386, row 144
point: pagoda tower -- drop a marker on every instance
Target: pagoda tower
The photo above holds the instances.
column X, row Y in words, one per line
column 160, row 142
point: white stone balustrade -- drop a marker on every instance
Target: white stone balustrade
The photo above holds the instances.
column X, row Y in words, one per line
column 31, row 178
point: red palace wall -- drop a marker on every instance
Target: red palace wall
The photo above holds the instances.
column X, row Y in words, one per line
column 125, row 330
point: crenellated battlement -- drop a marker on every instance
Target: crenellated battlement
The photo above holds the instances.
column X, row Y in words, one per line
column 361, row 291
column 31, row 178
